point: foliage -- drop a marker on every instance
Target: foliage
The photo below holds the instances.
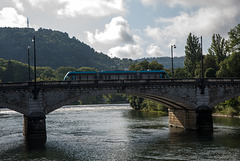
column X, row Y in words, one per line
column 218, row 48
column 192, row 54
column 230, row 67
column 115, row 98
column 145, row 65
column 234, row 39
column 178, row 62
column 210, row 73
column 209, row 61
column 180, row 73
column 230, row 107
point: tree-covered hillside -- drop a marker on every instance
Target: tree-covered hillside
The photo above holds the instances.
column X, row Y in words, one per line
column 178, row 62
column 54, row 49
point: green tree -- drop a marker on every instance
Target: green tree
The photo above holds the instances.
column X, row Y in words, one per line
column 144, row 65
column 230, row 67
column 9, row 77
column 218, row 48
column 209, row 61
column 62, row 71
column 84, row 69
column 154, row 65
column 210, row 73
column 180, row 73
column 234, row 39
column 192, row 54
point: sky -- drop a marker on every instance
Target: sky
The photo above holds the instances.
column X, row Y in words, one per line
column 127, row 28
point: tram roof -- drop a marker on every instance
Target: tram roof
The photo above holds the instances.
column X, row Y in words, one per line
column 112, row 72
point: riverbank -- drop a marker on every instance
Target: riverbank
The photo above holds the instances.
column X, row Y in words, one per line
column 222, row 115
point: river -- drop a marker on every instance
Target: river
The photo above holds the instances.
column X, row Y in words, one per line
column 115, row 132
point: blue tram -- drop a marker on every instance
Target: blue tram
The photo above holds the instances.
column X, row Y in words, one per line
column 115, row 75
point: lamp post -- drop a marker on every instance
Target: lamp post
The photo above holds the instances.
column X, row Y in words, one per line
column 29, row 76
column 202, row 74
column 172, row 47
column 35, row 70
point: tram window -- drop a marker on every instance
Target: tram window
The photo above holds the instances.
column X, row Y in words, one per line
column 83, row 77
column 73, row 77
column 151, row 76
column 106, row 77
column 113, row 76
column 122, row 76
column 144, row 76
column 90, row 77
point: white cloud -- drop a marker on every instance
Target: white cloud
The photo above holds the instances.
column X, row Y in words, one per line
column 116, row 31
column 204, row 22
column 19, row 5
column 154, row 51
column 191, row 3
column 10, row 18
column 127, row 51
column 38, row 3
column 95, row 8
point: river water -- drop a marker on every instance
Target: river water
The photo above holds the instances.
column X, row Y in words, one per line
column 115, row 132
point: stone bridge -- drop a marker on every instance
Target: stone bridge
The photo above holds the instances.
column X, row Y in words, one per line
column 189, row 100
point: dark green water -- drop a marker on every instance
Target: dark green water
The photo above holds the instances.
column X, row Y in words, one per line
column 115, row 132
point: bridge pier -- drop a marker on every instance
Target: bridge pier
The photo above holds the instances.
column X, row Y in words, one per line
column 34, row 130
column 204, row 120
column 200, row 119
column 182, row 118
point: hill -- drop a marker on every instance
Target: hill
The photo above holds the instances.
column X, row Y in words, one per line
column 178, row 62
column 54, row 49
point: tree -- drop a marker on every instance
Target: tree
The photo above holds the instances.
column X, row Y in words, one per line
column 209, row 61
column 62, row 71
column 192, row 54
column 84, row 69
column 218, row 48
column 234, row 39
column 230, row 67
column 154, row 65
column 180, row 73
column 210, row 73
column 144, row 65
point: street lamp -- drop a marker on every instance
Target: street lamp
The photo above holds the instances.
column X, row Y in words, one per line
column 35, row 70
column 29, row 76
column 172, row 47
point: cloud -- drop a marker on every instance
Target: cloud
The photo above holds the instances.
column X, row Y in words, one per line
column 203, row 22
column 191, row 3
column 19, row 5
column 154, row 51
column 38, row 3
column 127, row 51
column 94, row 8
column 10, row 18
column 116, row 31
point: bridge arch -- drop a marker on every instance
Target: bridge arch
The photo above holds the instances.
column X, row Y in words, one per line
column 157, row 95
